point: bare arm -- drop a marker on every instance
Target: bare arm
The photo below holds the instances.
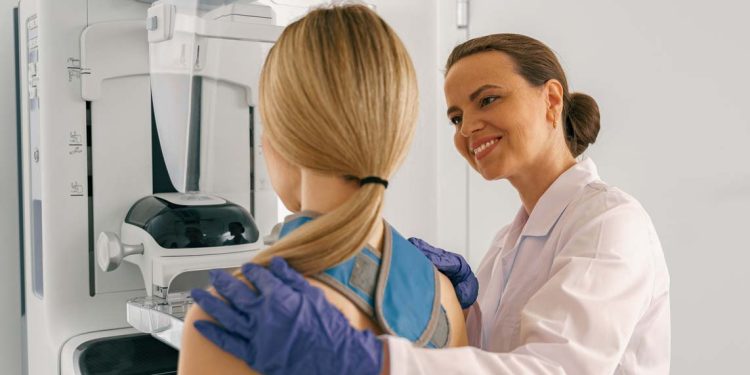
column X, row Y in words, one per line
column 200, row 356
column 448, row 299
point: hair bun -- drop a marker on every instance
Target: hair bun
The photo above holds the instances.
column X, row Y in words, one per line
column 582, row 122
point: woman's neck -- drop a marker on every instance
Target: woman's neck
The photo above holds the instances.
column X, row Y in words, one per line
column 534, row 182
column 323, row 193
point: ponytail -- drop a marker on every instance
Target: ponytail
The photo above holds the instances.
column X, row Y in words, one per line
column 338, row 95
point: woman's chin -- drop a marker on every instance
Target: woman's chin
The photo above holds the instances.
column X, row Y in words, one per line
column 490, row 169
column 292, row 206
column 491, row 174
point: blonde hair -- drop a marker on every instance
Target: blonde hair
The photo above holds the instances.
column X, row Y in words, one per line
column 338, row 95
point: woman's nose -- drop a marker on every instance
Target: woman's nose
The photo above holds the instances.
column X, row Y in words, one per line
column 470, row 126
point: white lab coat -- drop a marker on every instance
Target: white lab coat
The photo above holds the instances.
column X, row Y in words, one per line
column 578, row 287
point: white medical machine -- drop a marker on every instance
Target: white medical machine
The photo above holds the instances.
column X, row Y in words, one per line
column 141, row 170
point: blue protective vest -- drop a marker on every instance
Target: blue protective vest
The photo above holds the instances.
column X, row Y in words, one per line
column 399, row 290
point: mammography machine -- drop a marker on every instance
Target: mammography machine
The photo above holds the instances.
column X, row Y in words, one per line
column 141, row 170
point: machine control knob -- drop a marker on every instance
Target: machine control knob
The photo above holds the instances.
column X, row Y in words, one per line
column 110, row 251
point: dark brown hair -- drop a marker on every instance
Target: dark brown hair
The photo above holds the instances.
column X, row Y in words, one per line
column 536, row 63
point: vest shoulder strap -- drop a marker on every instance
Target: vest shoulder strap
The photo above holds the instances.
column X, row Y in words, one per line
column 400, row 290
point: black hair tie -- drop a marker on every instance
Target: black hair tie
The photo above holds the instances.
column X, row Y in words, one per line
column 373, row 180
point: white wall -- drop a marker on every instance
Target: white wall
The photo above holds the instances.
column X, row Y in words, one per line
column 10, row 314
column 412, row 195
column 671, row 81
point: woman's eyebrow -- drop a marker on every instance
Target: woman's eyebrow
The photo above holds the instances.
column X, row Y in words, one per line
column 474, row 95
column 482, row 88
column 452, row 109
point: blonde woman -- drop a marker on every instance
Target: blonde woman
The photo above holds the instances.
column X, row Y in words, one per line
column 338, row 97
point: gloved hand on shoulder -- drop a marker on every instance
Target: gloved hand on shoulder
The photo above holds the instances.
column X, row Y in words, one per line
column 455, row 267
column 285, row 326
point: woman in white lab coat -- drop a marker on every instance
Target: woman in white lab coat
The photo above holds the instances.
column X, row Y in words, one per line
column 576, row 284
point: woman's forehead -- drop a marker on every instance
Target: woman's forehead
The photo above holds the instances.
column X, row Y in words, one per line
column 481, row 69
column 483, row 64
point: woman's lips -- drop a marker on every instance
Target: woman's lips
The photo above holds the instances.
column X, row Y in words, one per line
column 485, row 147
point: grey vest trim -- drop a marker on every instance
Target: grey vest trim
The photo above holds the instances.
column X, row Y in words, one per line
column 364, row 277
column 442, row 331
column 365, row 274
column 346, row 292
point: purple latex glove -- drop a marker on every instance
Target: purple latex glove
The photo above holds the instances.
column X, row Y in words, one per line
column 455, row 268
column 286, row 326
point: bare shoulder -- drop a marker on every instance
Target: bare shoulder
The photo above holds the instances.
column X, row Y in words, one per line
column 357, row 318
column 198, row 355
column 448, row 299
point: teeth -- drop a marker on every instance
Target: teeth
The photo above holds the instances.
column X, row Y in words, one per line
column 483, row 146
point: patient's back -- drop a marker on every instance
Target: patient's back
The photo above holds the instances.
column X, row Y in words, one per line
column 200, row 356
column 361, row 320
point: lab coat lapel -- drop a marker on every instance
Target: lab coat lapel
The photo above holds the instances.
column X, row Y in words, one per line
column 492, row 277
column 557, row 197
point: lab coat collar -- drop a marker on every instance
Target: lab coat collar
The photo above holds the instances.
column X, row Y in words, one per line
column 557, row 197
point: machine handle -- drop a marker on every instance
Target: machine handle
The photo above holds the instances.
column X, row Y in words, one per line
column 110, row 251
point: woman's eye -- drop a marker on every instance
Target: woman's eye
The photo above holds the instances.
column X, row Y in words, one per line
column 487, row 100
column 455, row 120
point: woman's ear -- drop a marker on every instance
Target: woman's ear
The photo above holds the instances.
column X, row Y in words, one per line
column 553, row 92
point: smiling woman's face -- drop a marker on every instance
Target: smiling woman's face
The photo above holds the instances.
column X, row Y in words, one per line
column 503, row 124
